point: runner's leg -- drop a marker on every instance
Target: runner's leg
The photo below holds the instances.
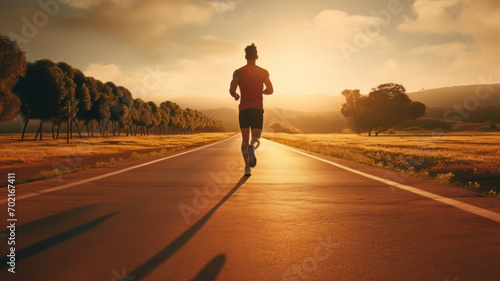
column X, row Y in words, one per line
column 245, row 133
column 256, row 138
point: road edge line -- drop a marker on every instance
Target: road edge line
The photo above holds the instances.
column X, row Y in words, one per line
column 448, row 201
column 52, row 189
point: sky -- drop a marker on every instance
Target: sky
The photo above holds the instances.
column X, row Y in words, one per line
column 169, row 48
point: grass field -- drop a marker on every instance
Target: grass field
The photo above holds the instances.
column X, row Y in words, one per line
column 14, row 151
column 470, row 161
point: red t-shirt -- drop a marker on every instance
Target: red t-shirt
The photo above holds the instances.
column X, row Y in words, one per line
column 251, row 82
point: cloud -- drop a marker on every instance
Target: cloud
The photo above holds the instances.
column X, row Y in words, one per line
column 212, row 46
column 145, row 24
column 105, row 73
column 475, row 19
column 434, row 16
column 343, row 32
column 337, row 25
column 222, row 7
column 206, row 72
column 469, row 26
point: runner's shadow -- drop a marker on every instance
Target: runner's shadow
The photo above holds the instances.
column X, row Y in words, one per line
column 55, row 240
column 212, row 269
column 173, row 247
column 54, row 220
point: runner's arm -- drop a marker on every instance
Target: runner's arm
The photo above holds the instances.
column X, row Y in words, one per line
column 234, row 85
column 269, row 86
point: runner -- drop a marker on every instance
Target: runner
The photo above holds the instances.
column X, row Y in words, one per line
column 251, row 80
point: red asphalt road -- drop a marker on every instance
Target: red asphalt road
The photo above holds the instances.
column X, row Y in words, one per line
column 295, row 218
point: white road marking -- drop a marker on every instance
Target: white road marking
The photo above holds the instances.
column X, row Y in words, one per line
column 452, row 202
column 110, row 174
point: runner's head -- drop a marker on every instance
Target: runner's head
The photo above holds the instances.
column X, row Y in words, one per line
column 251, row 52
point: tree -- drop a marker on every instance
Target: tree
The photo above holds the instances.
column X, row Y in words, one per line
column 45, row 93
column 201, row 121
column 87, row 114
column 190, row 120
column 102, row 108
column 126, row 100
column 174, row 111
column 165, row 116
column 12, row 66
column 385, row 106
column 121, row 102
column 141, row 114
column 181, row 120
column 155, row 116
column 82, row 96
column 351, row 107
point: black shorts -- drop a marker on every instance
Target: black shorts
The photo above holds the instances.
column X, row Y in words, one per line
column 251, row 117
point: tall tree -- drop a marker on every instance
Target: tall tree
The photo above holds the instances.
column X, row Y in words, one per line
column 385, row 106
column 189, row 116
column 126, row 100
column 176, row 119
column 121, row 102
column 155, row 116
column 351, row 107
column 102, row 108
column 141, row 115
column 12, row 66
column 82, row 96
column 45, row 92
column 87, row 114
column 165, row 116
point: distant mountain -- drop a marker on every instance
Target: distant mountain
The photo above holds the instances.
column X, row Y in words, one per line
column 204, row 103
column 320, row 113
column 318, row 102
column 308, row 122
column 228, row 115
column 315, row 113
column 449, row 96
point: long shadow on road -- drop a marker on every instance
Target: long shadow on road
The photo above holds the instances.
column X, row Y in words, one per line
column 55, row 240
column 212, row 269
column 173, row 247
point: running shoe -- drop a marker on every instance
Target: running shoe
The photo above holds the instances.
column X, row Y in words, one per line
column 248, row 172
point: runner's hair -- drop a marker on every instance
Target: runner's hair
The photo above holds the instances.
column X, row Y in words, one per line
column 251, row 52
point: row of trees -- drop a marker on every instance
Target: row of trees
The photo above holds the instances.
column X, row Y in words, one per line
column 12, row 66
column 60, row 94
column 385, row 106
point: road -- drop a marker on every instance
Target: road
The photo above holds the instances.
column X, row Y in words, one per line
column 192, row 216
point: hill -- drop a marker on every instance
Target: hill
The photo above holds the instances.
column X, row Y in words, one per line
column 449, row 96
column 320, row 113
column 318, row 102
column 307, row 122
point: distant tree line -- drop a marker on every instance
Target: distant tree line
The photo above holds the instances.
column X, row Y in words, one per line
column 385, row 106
column 58, row 94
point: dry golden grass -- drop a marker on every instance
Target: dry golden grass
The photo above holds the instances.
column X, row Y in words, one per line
column 473, row 160
column 14, row 151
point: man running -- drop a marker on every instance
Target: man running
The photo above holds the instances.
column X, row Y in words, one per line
column 251, row 80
